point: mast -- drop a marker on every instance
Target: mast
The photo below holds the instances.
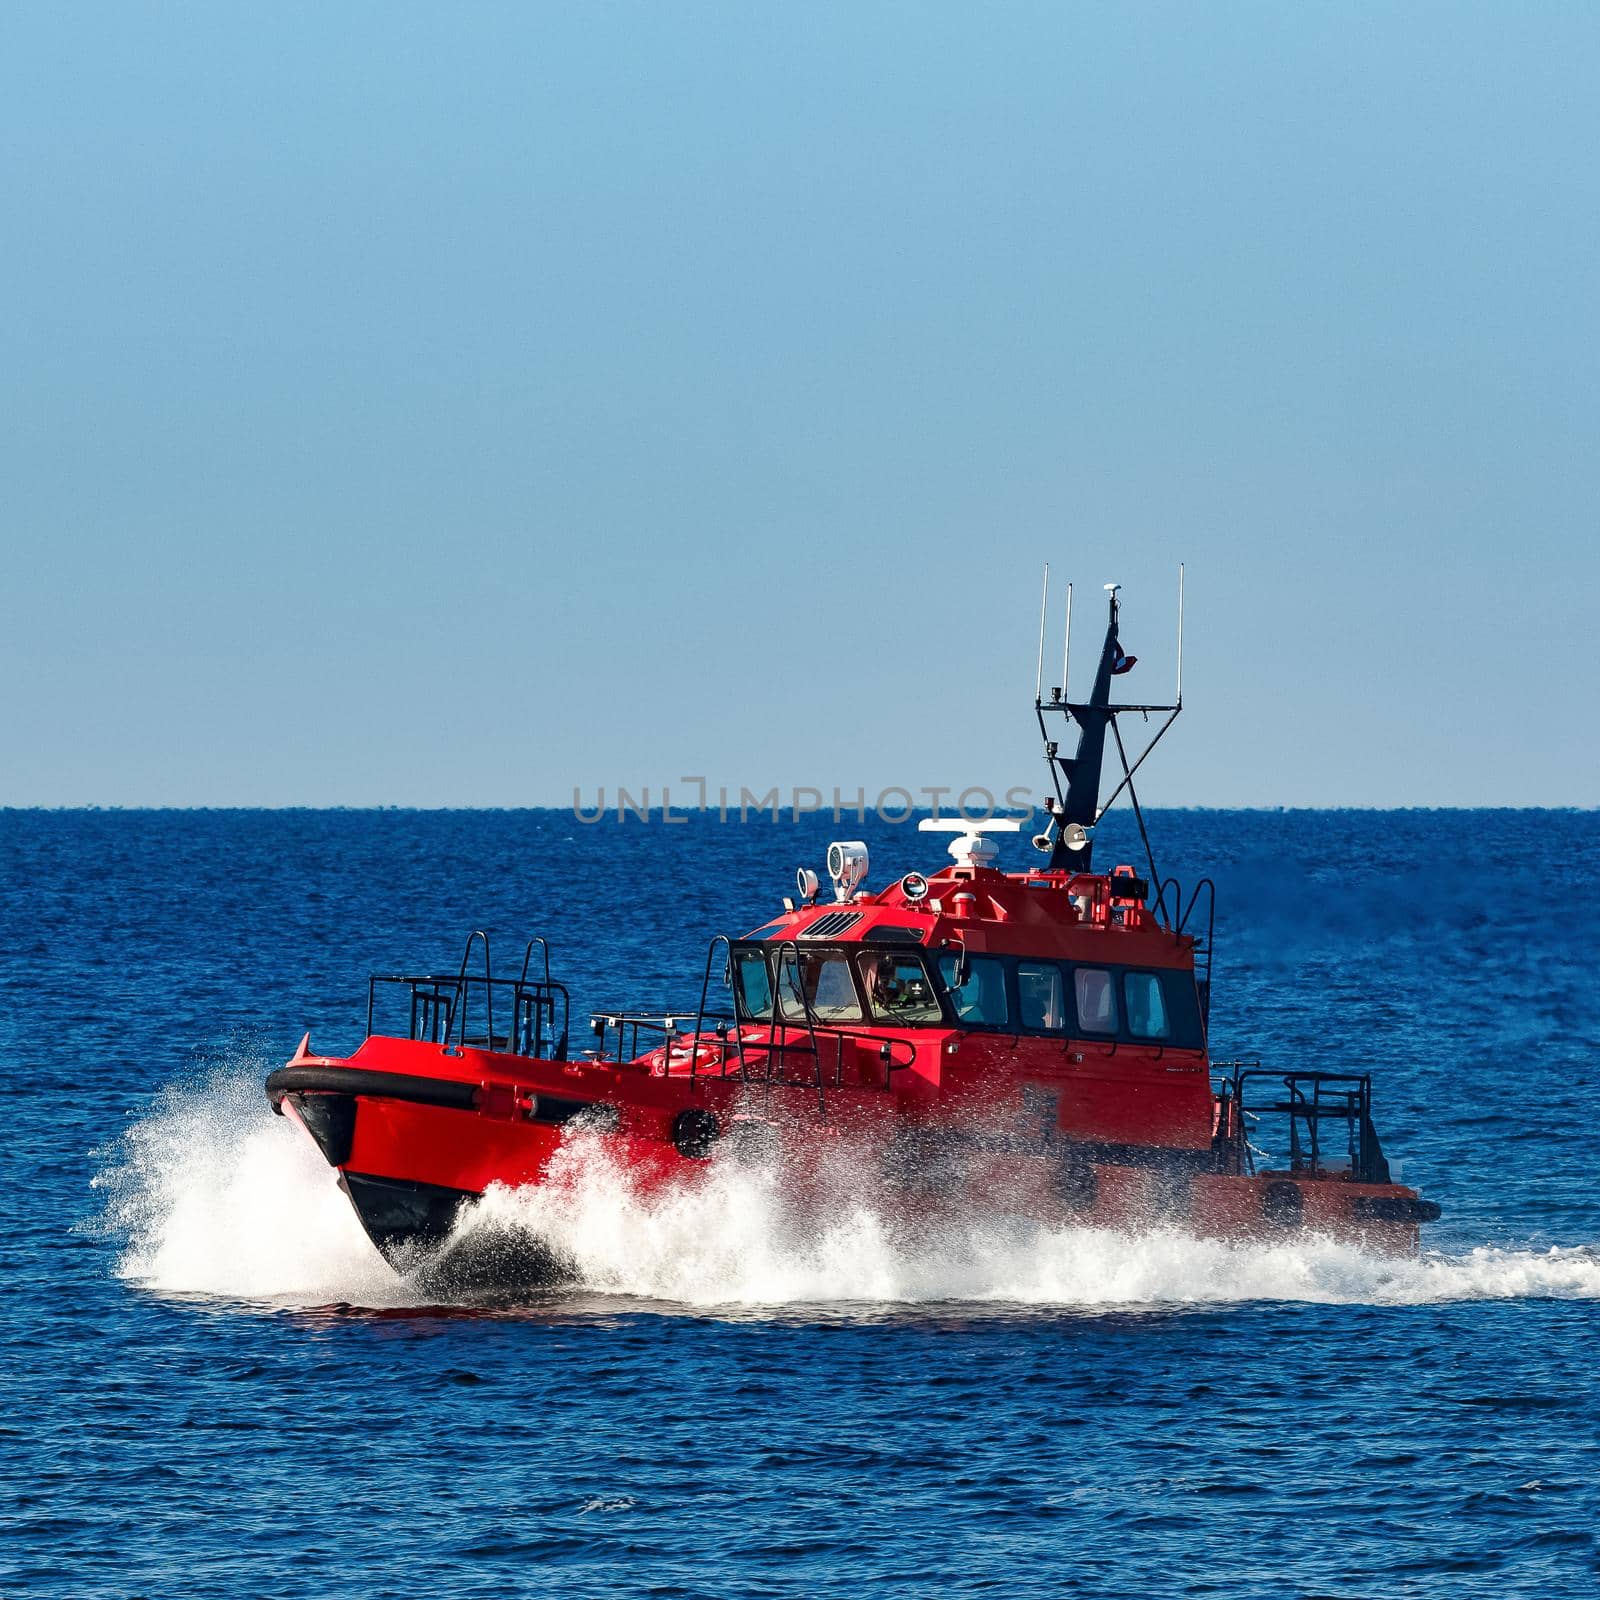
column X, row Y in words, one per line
column 1079, row 808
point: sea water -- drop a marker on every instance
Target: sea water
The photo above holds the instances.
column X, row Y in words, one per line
column 215, row 1387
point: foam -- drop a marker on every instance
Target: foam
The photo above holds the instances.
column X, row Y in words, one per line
column 211, row 1195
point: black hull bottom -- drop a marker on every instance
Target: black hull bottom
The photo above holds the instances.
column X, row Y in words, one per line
column 426, row 1233
column 402, row 1218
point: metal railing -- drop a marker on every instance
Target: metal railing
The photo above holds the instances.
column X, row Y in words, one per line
column 787, row 1052
column 529, row 1016
column 1178, row 921
column 443, row 1009
column 1310, row 1101
column 822, row 1053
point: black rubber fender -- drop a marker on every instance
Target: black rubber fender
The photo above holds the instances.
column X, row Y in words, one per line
column 1283, row 1205
column 695, row 1133
column 362, row 1080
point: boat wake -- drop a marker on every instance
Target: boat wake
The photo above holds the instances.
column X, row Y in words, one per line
column 209, row 1194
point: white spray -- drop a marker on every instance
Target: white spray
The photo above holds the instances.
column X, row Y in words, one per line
column 213, row 1195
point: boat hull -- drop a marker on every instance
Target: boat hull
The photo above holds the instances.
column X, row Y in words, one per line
column 425, row 1232
column 415, row 1149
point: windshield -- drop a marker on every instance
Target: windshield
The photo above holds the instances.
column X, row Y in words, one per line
column 818, row 980
column 755, row 984
column 831, row 985
column 898, row 988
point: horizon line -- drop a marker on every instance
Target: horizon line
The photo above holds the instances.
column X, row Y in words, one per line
column 785, row 812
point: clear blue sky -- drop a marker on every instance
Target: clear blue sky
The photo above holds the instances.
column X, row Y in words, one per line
column 453, row 405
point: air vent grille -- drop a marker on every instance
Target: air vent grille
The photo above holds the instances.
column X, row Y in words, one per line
column 835, row 922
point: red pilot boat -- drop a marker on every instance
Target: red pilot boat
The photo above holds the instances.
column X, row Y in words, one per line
column 1035, row 1040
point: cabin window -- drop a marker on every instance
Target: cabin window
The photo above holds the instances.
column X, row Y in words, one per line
column 1097, row 1000
column 819, row 981
column 755, row 985
column 898, row 989
column 1146, row 1006
column 980, row 1002
column 1183, row 1009
column 1041, row 996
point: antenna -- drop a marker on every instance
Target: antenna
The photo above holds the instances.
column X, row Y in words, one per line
column 1179, row 696
column 1066, row 646
column 1038, row 676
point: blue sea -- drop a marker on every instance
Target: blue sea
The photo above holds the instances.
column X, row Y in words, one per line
column 212, row 1387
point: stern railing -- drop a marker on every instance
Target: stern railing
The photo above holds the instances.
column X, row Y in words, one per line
column 1311, row 1101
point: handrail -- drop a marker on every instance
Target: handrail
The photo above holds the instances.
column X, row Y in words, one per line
column 538, row 998
column 894, row 1054
column 430, row 993
column 842, row 1036
column 1351, row 1104
column 1207, row 887
column 462, row 990
column 542, row 992
column 1177, row 901
column 666, row 1023
column 437, row 997
column 527, row 955
column 430, row 989
column 805, row 1007
column 721, row 1022
column 631, row 1024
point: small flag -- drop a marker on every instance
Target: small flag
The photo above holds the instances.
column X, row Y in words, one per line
column 1123, row 663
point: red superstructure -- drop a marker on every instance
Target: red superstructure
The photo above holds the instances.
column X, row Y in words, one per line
column 1032, row 1040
